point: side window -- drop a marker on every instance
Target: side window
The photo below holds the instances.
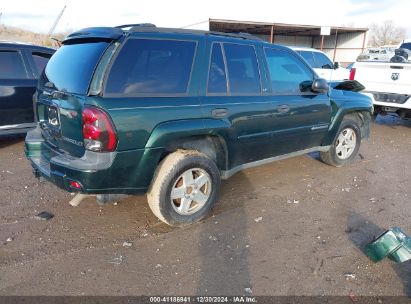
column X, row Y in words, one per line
column 152, row 66
column 217, row 80
column 11, row 65
column 308, row 56
column 40, row 61
column 288, row 74
column 243, row 73
column 323, row 62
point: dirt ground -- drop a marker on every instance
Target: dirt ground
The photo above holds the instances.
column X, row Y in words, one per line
column 294, row 227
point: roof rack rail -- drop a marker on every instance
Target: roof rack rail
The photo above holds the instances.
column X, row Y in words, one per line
column 135, row 25
column 249, row 35
column 237, row 35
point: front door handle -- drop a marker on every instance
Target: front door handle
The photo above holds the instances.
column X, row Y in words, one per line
column 219, row 112
column 283, row 109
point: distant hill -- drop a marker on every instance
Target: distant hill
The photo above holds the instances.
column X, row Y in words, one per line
column 10, row 33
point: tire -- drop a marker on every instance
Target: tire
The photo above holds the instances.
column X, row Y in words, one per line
column 335, row 155
column 192, row 197
column 377, row 110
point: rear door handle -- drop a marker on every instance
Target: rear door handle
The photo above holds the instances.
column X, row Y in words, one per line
column 219, row 112
column 283, row 109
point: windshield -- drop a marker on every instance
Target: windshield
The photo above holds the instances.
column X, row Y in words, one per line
column 71, row 68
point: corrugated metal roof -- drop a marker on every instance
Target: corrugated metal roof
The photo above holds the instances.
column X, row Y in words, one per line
column 253, row 27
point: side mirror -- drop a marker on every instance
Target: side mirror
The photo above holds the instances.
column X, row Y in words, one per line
column 320, row 85
column 336, row 65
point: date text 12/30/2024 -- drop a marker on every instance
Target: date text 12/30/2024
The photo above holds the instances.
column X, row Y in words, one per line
column 199, row 299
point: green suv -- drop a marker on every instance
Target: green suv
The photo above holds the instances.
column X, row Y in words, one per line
column 169, row 112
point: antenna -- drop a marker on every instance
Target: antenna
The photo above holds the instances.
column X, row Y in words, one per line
column 53, row 27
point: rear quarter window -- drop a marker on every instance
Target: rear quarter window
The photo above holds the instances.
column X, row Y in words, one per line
column 150, row 66
column 11, row 65
column 217, row 80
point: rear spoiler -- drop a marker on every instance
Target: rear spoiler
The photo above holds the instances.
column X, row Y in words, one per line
column 109, row 33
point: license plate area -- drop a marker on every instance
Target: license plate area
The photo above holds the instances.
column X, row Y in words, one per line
column 49, row 121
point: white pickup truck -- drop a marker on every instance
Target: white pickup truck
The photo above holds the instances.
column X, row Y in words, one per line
column 387, row 83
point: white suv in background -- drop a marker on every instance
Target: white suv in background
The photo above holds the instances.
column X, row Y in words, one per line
column 322, row 65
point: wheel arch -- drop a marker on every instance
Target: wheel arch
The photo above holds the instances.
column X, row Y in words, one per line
column 361, row 115
column 205, row 136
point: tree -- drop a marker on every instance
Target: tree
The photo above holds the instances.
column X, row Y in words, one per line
column 386, row 33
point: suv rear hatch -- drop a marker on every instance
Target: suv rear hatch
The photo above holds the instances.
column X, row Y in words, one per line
column 64, row 86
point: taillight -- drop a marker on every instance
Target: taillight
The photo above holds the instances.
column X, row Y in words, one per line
column 98, row 131
column 352, row 73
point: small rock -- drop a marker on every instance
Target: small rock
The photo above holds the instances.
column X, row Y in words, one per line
column 9, row 239
column 127, row 244
column 115, row 204
column 293, row 202
column 258, row 219
column 350, row 276
column 248, row 290
column 159, row 266
column 117, row 260
column 212, row 237
column 372, row 200
column 44, row 216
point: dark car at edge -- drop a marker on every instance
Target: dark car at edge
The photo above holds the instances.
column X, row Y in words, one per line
column 20, row 67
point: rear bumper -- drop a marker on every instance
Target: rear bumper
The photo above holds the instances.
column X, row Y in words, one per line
column 396, row 105
column 128, row 172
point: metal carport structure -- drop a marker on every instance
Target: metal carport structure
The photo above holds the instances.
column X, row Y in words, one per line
column 343, row 44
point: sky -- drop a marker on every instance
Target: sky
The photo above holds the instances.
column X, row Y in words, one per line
column 39, row 15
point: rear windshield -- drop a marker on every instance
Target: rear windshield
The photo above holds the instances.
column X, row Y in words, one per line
column 70, row 69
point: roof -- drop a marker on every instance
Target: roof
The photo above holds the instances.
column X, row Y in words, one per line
column 265, row 28
column 14, row 44
column 114, row 33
